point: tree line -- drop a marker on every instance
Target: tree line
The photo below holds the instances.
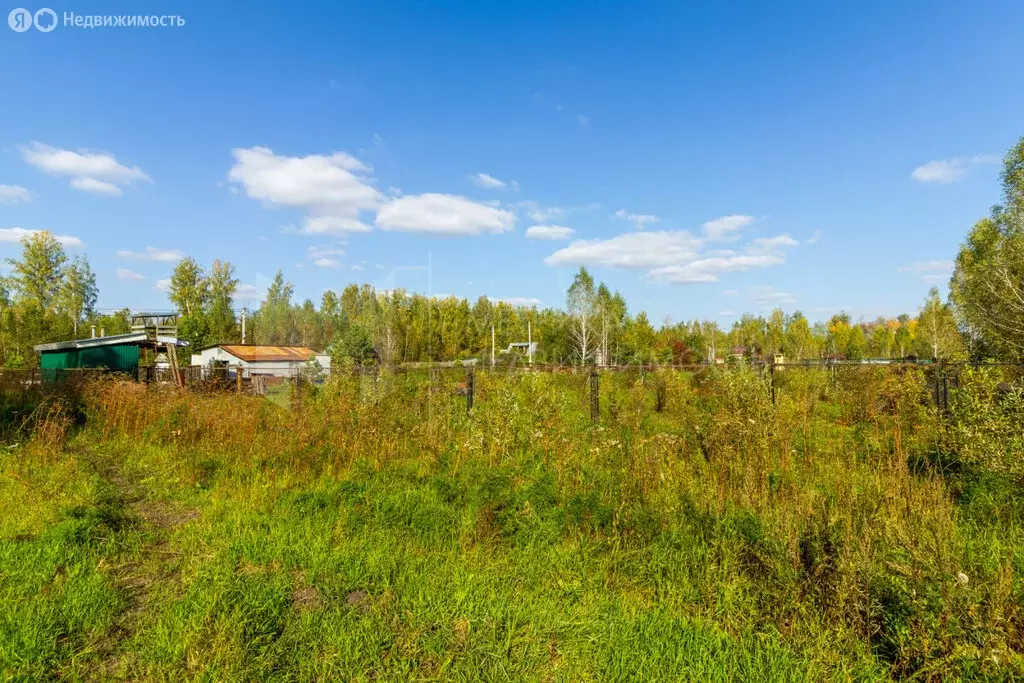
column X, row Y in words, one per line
column 596, row 327
column 48, row 296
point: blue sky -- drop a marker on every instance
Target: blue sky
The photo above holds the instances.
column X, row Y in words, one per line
column 707, row 158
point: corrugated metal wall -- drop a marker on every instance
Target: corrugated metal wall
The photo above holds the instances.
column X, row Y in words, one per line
column 58, row 360
column 119, row 358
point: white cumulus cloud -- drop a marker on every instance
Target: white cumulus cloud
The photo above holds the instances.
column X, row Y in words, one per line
column 630, row 250
column 488, row 181
column 94, row 172
column 767, row 297
column 542, row 214
column 549, row 232
column 333, row 190
column 94, row 186
column 708, row 269
column 674, row 256
column 14, row 194
column 946, row 171
column 16, row 235
column 773, row 243
column 152, row 254
column 325, row 256
column 639, row 220
column 930, row 272
column 726, row 227
column 443, row 214
column 129, row 275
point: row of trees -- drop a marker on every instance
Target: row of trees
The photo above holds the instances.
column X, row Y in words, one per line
column 48, row 296
column 595, row 318
column 595, row 328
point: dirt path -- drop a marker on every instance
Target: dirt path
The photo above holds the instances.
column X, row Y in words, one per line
column 146, row 524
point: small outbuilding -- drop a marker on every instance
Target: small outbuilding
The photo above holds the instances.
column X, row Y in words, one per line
column 117, row 353
column 256, row 360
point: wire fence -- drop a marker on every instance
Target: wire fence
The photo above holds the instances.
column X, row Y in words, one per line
column 451, row 386
column 596, row 385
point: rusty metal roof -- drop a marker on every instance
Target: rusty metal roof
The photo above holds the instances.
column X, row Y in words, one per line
column 252, row 352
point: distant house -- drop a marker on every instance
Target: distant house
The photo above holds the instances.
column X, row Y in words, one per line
column 255, row 360
column 527, row 348
column 738, row 353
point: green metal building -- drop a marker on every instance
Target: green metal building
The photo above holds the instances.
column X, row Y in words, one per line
column 117, row 353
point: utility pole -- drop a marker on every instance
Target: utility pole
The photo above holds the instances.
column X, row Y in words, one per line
column 243, row 325
column 492, row 346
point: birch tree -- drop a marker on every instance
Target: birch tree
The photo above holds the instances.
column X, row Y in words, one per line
column 988, row 280
column 581, row 304
column 936, row 329
column 188, row 289
column 36, row 278
column 77, row 294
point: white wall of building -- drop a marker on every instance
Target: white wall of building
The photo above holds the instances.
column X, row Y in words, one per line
column 274, row 368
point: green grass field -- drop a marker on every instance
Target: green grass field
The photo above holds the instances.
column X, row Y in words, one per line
column 699, row 532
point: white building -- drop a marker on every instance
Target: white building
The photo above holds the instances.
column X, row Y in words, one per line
column 271, row 361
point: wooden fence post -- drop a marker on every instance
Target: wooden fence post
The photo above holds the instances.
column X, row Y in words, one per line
column 595, row 397
column 238, row 379
column 469, row 389
column 660, row 391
